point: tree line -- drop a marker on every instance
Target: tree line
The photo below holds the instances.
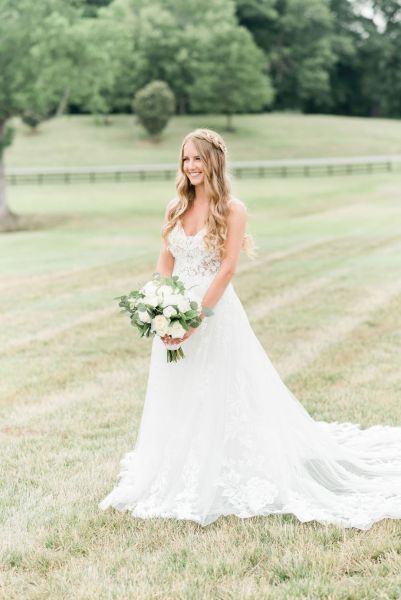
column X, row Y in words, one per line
column 196, row 56
column 225, row 56
column 317, row 56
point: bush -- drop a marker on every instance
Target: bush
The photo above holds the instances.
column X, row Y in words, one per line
column 154, row 105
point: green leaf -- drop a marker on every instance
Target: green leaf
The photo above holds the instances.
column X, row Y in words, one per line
column 184, row 324
column 207, row 311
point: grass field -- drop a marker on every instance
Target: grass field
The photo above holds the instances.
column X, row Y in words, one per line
column 324, row 297
column 77, row 140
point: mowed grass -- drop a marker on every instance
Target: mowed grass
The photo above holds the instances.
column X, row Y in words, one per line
column 324, row 297
column 77, row 140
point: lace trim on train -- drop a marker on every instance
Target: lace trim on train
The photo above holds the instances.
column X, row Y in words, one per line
column 254, row 496
column 245, row 496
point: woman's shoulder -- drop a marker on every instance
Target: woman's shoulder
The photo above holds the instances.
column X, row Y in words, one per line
column 234, row 202
column 237, row 207
column 169, row 206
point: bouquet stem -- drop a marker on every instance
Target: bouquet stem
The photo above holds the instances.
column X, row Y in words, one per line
column 175, row 355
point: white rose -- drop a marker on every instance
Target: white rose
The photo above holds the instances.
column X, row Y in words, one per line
column 160, row 325
column 183, row 304
column 169, row 311
column 176, row 330
column 149, row 289
column 166, row 301
column 151, row 300
column 172, row 299
column 144, row 316
column 165, row 290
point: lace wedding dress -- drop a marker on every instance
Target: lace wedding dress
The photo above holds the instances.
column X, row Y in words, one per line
column 221, row 434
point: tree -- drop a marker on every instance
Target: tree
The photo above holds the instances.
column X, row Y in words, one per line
column 366, row 78
column 231, row 76
column 348, row 31
column 302, row 55
column 27, row 31
column 40, row 101
column 6, row 136
column 296, row 36
column 154, row 105
column 49, row 55
column 102, row 46
column 80, row 61
column 380, row 51
column 19, row 67
column 165, row 42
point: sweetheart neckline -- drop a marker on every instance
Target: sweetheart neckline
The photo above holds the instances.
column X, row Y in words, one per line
column 186, row 234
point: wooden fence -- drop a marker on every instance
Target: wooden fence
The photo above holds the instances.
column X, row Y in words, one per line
column 259, row 168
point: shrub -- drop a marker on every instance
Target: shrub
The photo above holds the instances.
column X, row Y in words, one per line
column 154, row 105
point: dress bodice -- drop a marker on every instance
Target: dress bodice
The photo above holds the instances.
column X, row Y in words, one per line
column 193, row 260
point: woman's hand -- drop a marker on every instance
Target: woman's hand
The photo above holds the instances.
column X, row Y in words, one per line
column 167, row 339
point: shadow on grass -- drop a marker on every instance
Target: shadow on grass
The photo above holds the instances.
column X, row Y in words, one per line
column 32, row 222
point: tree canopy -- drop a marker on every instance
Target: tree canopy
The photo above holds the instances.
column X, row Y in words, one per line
column 232, row 76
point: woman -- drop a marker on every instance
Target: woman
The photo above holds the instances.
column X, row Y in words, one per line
column 220, row 432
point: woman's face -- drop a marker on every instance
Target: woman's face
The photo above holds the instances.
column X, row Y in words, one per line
column 192, row 164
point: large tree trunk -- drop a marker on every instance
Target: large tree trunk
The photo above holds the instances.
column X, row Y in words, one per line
column 63, row 103
column 6, row 215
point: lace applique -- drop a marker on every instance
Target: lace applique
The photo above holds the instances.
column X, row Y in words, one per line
column 246, row 496
column 192, row 257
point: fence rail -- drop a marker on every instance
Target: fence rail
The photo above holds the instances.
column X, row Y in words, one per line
column 242, row 169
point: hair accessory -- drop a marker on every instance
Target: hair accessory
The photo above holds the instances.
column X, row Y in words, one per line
column 214, row 140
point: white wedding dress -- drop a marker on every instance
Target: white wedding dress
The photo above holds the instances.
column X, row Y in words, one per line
column 221, row 434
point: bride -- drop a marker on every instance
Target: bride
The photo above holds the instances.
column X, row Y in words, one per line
column 220, row 433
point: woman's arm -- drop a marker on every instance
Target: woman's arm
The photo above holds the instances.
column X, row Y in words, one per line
column 165, row 262
column 235, row 233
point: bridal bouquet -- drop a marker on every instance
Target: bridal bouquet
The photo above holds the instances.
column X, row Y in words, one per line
column 163, row 307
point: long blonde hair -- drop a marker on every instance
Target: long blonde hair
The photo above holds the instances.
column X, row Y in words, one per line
column 212, row 151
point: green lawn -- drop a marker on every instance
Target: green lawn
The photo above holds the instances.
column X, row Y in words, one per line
column 324, row 297
column 77, row 140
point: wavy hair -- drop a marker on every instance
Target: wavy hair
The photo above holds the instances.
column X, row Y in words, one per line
column 213, row 152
